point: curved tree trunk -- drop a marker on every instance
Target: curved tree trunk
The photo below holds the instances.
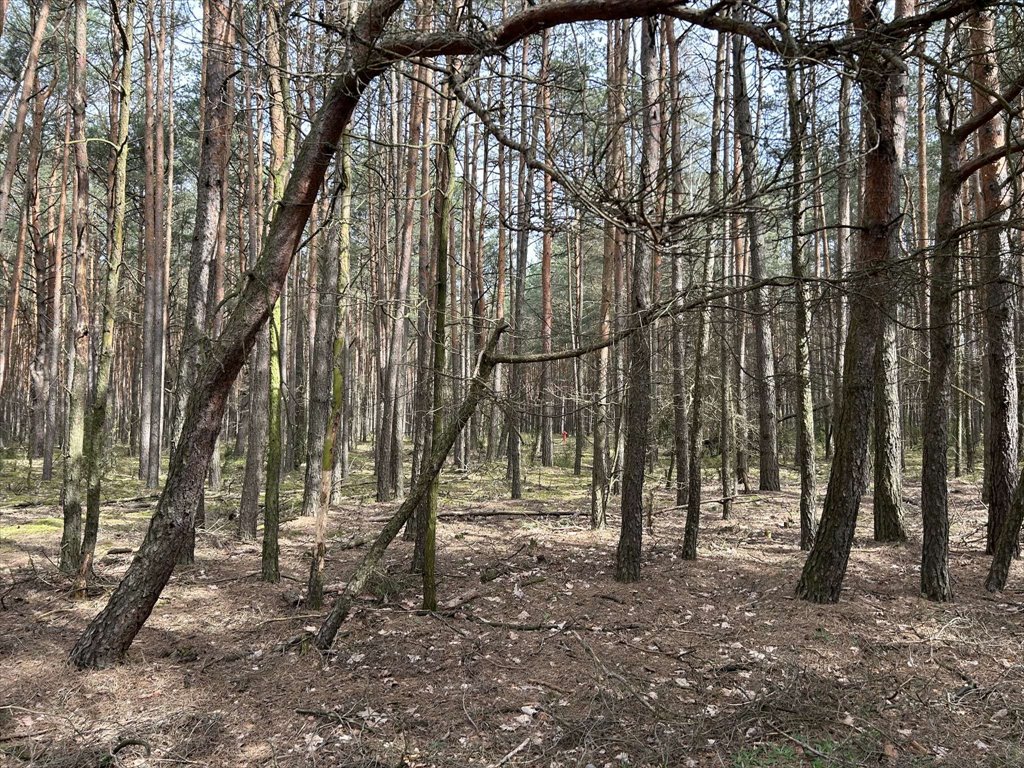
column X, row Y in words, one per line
column 883, row 89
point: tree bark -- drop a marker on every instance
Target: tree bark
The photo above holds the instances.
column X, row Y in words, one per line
column 96, row 422
column 883, row 102
column 935, row 580
column 999, row 303
column 638, row 393
column 805, row 443
column 78, row 355
column 764, row 355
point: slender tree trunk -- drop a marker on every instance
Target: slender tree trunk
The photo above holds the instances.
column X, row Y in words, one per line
column 41, row 273
column 999, row 303
column 546, row 449
column 935, row 580
column 804, row 401
column 389, row 458
column 696, row 432
column 213, row 159
column 96, row 422
column 601, row 471
column 763, row 354
column 78, row 357
column 54, row 391
column 443, row 202
column 524, row 204
column 638, row 394
column 335, row 272
column 844, row 239
column 280, row 157
column 681, row 442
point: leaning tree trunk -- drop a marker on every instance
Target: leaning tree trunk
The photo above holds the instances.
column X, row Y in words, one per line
column 883, row 89
column 328, row 630
column 111, row 633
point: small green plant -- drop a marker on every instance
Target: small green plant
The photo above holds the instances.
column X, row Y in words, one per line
column 790, row 756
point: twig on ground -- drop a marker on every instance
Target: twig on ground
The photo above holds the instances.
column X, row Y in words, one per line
column 510, row 755
column 615, row 675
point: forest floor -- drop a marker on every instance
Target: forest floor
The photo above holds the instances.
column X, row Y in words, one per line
column 538, row 656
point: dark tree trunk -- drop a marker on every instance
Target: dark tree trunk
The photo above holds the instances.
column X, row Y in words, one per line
column 637, row 409
column 883, row 89
column 935, row 581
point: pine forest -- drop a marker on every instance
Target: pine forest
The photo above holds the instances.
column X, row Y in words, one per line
column 558, row 383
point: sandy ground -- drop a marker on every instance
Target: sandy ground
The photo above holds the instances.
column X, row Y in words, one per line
column 539, row 658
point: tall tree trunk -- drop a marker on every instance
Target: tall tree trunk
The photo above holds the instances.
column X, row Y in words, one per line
column 935, row 581
column 888, row 433
column 389, row 459
column 618, row 52
column 544, row 96
column 804, row 401
column 334, row 272
column 443, row 202
column 696, row 432
column 844, row 238
column 883, row 93
column 681, row 442
column 638, row 394
column 54, row 391
column 999, row 303
column 213, row 159
column 764, row 356
column 259, row 366
column 280, row 157
column 96, row 422
column 78, row 357
column 41, row 273
column 524, row 205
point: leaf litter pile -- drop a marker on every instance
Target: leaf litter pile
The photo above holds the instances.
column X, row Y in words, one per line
column 537, row 657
